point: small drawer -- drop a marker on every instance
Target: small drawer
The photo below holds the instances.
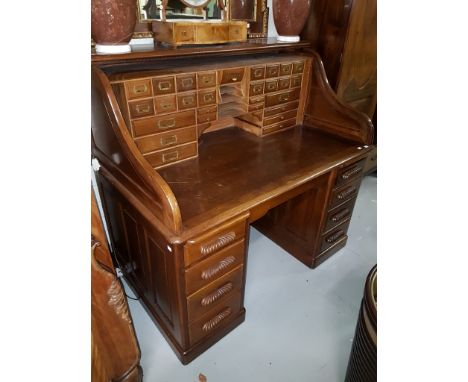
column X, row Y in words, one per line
column 163, row 85
column 285, row 69
column 344, row 193
column 279, row 126
column 214, row 266
column 256, row 107
column 229, row 76
column 350, row 172
column 272, row 71
column 162, row 123
column 277, row 99
column 280, row 117
column 207, row 244
column 184, row 33
column 256, row 88
column 207, row 97
column 297, row 67
column 281, row 109
column 142, row 108
column 168, row 139
column 203, row 118
column 187, row 101
column 339, row 214
column 215, row 319
column 138, row 89
column 165, row 104
column 271, row 86
column 296, row 81
column 334, row 236
column 214, row 294
column 163, row 157
column 207, row 110
column 237, row 33
column 283, row 83
column 206, row 80
column 256, row 99
column 186, row 82
column 257, row 73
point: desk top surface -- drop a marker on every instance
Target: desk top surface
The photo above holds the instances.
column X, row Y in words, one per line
column 235, row 170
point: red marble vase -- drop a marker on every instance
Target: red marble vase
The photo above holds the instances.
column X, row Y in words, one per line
column 112, row 24
column 290, row 17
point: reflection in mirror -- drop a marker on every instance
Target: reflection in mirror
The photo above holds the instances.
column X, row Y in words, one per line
column 176, row 9
column 243, row 10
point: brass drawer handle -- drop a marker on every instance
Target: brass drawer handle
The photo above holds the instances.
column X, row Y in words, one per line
column 233, row 78
column 221, row 266
column 165, row 141
column 340, row 215
column 186, row 101
column 345, row 193
column 217, row 244
column 217, row 294
column 165, row 85
column 142, row 108
column 215, row 321
column 138, row 89
column 187, row 82
column 283, row 97
column 166, row 105
column 170, row 156
column 208, row 97
column 354, row 171
column 207, row 79
column 332, row 238
column 166, row 123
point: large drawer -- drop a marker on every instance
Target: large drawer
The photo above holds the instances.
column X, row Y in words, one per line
column 215, row 319
column 214, row 294
column 344, row 193
column 280, row 98
column 163, row 157
column 335, row 235
column 167, row 139
column 214, row 266
column 162, row 123
column 339, row 214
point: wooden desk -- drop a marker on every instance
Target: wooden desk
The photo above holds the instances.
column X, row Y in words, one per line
column 180, row 226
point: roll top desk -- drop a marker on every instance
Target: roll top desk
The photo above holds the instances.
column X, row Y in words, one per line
column 196, row 144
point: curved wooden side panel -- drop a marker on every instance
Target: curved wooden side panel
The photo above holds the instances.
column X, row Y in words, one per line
column 326, row 111
column 114, row 147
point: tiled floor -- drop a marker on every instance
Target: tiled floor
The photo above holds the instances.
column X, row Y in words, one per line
column 299, row 324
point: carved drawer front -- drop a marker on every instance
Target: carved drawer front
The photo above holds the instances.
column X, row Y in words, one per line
column 168, row 139
column 283, row 83
column 334, row 236
column 350, row 172
column 280, row 98
column 297, row 67
column 257, row 106
column 256, row 99
column 256, row 88
column 215, row 319
column 187, row 101
column 207, row 97
column 213, row 241
column 229, row 76
column 184, row 33
column 257, row 73
column 285, row 69
column 186, row 82
column 272, row 71
column 281, row 109
column 163, row 85
column 165, row 104
column 344, row 193
column 163, row 157
column 279, row 126
column 296, row 81
column 280, row 117
column 162, row 123
column 138, row 89
column 203, row 118
column 143, row 108
column 271, row 86
column 214, row 294
column 206, row 80
column 339, row 214
column 215, row 266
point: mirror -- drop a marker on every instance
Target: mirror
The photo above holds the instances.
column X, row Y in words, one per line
column 245, row 10
column 179, row 9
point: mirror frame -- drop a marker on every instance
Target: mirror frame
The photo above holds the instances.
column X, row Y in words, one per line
column 258, row 28
column 186, row 3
